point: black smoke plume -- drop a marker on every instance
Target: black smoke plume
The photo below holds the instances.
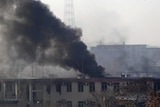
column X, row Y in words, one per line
column 38, row 36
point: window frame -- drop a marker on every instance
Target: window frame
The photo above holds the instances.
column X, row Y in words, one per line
column 104, row 86
column 69, row 87
column 81, row 104
column 92, row 87
column 69, row 103
column 80, row 86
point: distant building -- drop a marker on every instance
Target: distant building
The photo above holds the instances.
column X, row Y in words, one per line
column 136, row 60
column 71, row 92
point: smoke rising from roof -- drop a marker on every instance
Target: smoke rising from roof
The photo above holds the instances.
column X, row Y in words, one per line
column 36, row 35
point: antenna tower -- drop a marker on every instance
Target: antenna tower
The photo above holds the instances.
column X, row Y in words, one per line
column 69, row 17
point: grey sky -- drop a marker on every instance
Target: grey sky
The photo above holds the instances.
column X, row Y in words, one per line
column 114, row 21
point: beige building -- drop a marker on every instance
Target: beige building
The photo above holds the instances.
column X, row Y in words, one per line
column 69, row 92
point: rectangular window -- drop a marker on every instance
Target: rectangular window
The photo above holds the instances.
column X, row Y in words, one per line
column 48, row 88
column 69, row 87
column 0, row 86
column 10, row 86
column 80, row 86
column 116, row 87
column 81, row 104
column 104, row 86
column 58, row 88
column 10, row 90
column 91, row 87
column 34, row 96
column 69, row 103
column 156, row 86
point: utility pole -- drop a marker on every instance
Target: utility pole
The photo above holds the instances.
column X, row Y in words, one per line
column 69, row 18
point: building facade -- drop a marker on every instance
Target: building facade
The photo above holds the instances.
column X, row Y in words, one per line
column 70, row 92
column 135, row 60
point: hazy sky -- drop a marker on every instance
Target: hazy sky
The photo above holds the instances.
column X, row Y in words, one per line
column 114, row 21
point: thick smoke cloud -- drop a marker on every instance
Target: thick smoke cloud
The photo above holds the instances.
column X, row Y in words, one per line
column 36, row 35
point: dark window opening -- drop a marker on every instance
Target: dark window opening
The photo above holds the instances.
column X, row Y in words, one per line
column 48, row 88
column 10, row 86
column 33, row 87
column 0, row 86
column 58, row 88
column 69, row 87
column 91, row 87
column 34, row 96
column 104, row 86
column 81, row 104
column 69, row 103
column 27, row 92
column 80, row 86
column 156, row 86
column 116, row 87
column 10, row 90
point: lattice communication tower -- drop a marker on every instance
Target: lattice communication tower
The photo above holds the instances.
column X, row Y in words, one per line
column 69, row 17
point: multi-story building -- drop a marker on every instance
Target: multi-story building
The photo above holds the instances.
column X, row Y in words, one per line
column 70, row 92
column 136, row 60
